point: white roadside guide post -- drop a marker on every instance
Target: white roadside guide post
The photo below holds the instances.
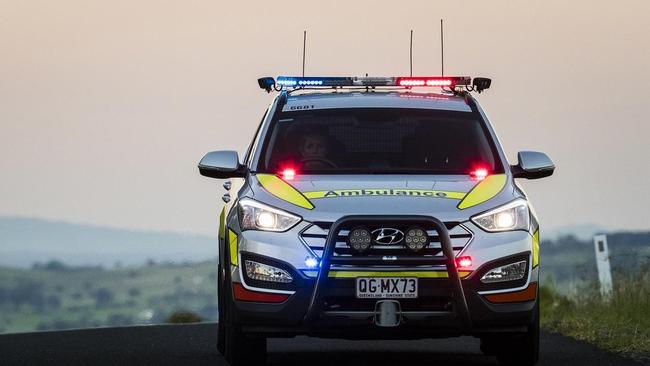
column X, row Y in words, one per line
column 604, row 270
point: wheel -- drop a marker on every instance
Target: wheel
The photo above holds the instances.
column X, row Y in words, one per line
column 238, row 348
column 221, row 328
column 523, row 349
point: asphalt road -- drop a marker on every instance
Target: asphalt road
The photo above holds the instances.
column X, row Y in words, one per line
column 195, row 345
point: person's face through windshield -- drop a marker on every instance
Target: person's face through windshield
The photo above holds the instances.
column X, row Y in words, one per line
column 314, row 150
column 313, row 146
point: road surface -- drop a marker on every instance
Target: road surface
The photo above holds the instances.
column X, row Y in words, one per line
column 195, row 345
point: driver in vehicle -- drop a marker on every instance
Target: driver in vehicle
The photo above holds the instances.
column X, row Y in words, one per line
column 314, row 150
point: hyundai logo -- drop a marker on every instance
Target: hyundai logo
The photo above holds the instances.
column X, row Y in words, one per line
column 387, row 236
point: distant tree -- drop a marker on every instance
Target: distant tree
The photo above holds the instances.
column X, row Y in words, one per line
column 55, row 266
column 76, row 295
column 151, row 262
column 103, row 297
column 133, row 274
column 183, row 316
column 177, row 280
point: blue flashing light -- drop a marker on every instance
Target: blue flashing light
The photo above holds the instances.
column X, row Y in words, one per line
column 282, row 81
column 312, row 81
column 311, row 262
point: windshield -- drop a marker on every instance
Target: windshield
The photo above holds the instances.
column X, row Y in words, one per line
column 377, row 141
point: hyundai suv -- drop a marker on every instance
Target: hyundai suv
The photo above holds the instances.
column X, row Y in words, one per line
column 376, row 208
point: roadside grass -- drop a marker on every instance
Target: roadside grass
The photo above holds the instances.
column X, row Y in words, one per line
column 621, row 324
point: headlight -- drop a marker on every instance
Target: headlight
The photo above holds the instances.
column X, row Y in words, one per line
column 512, row 216
column 257, row 216
column 509, row 272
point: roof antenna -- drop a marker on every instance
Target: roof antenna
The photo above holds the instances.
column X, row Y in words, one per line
column 304, row 45
column 442, row 49
column 411, row 54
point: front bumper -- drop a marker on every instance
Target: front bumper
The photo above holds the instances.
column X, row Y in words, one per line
column 287, row 319
column 448, row 306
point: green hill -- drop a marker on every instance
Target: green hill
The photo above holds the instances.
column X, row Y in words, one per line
column 55, row 296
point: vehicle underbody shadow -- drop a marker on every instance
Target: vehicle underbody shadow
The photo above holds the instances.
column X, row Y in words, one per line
column 452, row 351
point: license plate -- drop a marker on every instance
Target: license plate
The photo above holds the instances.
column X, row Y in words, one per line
column 387, row 287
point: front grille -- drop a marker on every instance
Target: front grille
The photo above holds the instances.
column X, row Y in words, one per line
column 314, row 237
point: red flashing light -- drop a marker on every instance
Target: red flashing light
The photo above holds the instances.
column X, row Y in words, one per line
column 288, row 173
column 424, row 81
column 243, row 294
column 464, row 262
column 479, row 173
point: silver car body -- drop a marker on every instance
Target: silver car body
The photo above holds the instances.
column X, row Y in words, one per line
column 292, row 247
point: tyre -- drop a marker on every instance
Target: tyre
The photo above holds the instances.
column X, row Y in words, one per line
column 238, row 348
column 221, row 328
column 522, row 349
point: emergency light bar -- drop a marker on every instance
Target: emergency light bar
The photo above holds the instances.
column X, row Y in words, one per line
column 432, row 81
column 311, row 81
column 297, row 82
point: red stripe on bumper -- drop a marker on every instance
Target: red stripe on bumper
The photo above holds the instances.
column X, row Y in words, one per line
column 243, row 294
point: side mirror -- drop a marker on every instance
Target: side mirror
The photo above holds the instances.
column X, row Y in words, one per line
column 532, row 165
column 222, row 164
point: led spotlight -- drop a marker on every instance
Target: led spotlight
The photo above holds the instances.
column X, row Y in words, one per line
column 311, row 262
column 359, row 239
column 481, row 84
column 416, row 239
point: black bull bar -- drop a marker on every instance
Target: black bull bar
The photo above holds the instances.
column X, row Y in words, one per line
column 328, row 259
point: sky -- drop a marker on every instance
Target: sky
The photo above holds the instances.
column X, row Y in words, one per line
column 106, row 107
